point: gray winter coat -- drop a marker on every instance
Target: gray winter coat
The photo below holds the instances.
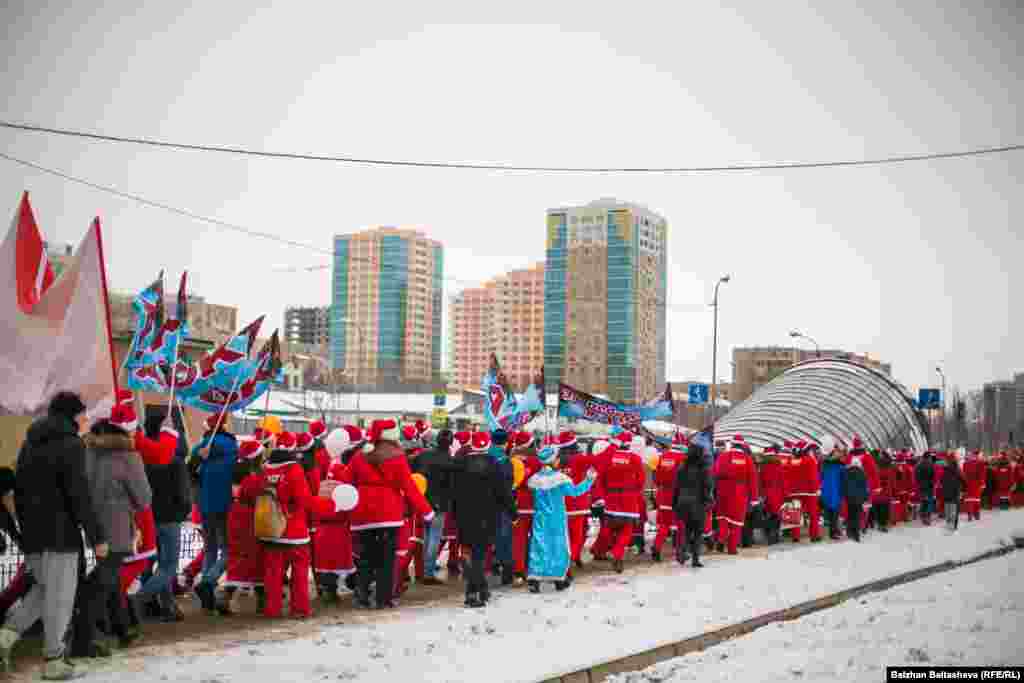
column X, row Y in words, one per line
column 119, row 487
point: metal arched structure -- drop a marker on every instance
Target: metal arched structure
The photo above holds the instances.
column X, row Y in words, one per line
column 833, row 397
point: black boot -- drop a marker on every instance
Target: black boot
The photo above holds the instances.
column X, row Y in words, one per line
column 204, row 591
column 508, row 575
column 534, row 586
column 473, row 600
column 618, row 566
column 562, row 585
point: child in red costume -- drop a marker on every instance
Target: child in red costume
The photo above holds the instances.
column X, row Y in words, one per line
column 664, row 482
column 286, row 477
column 246, row 559
column 522, row 443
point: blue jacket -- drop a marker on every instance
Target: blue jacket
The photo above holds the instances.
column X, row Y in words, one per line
column 832, row 484
column 216, row 473
column 855, row 486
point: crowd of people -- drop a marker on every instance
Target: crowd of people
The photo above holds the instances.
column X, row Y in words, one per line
column 375, row 511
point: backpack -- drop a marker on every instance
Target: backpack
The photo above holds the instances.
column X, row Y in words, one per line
column 269, row 520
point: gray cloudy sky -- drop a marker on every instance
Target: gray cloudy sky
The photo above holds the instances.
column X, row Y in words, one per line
column 913, row 263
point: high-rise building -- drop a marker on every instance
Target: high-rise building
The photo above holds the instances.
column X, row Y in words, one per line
column 999, row 414
column 385, row 327
column 605, row 286
column 506, row 317
column 754, row 366
column 307, row 324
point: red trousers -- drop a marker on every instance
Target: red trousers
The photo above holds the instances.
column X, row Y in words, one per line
column 521, row 532
column 809, row 506
column 130, row 572
column 279, row 557
column 972, row 508
column 667, row 521
column 578, row 527
column 195, row 567
column 899, row 511
column 729, row 534
column 615, row 538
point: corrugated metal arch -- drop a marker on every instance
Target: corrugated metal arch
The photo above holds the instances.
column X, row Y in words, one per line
column 830, row 396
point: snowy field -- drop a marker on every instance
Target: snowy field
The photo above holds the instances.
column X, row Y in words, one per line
column 967, row 617
column 524, row 637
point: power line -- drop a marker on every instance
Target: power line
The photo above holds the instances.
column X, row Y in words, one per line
column 192, row 147
column 216, row 222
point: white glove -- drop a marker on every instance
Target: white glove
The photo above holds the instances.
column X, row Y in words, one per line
column 591, row 474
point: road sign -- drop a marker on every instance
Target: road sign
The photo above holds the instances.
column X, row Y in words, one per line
column 439, row 418
column 928, row 399
column 440, row 399
column 698, row 393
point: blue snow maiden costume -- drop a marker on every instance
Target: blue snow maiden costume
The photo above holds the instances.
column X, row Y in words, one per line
column 549, row 545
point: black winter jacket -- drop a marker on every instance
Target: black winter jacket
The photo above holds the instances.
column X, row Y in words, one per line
column 691, row 494
column 952, row 484
column 52, row 493
column 924, row 473
column 480, row 493
column 436, row 466
column 855, row 486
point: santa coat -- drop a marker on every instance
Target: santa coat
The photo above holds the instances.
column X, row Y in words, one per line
column 576, row 470
column 384, row 482
column 147, row 530
column 622, row 483
column 549, row 555
column 735, row 485
column 887, row 479
column 297, row 503
column 245, row 567
column 772, row 483
column 665, row 479
column 974, row 474
column 524, row 494
column 1003, row 475
column 909, row 480
column 334, row 537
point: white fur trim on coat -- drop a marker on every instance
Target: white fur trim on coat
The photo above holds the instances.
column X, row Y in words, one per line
column 546, row 482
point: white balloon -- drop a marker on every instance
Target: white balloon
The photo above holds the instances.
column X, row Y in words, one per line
column 345, row 498
column 828, row 444
column 337, row 442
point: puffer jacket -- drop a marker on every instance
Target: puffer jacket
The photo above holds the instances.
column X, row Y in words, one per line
column 383, row 478
column 118, row 485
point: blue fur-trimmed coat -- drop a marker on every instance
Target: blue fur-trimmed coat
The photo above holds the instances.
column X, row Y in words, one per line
column 549, row 546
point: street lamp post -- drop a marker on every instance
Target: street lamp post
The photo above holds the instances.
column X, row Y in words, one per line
column 797, row 335
column 945, row 441
column 714, row 360
column 359, row 363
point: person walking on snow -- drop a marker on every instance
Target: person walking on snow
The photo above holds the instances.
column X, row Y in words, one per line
column 550, row 554
column 857, row 493
column 952, row 485
column 691, row 497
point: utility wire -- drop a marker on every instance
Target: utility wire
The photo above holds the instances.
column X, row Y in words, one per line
column 216, row 222
column 507, row 167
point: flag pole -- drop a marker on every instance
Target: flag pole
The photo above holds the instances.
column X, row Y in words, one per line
column 234, row 388
column 106, row 304
column 174, row 373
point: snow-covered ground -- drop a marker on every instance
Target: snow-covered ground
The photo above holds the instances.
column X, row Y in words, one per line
column 524, row 637
column 972, row 616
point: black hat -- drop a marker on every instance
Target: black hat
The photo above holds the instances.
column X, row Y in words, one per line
column 66, row 404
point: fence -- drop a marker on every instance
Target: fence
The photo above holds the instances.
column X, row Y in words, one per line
column 191, row 545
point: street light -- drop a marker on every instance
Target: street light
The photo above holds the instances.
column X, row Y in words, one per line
column 714, row 359
column 945, row 442
column 359, row 336
column 797, row 335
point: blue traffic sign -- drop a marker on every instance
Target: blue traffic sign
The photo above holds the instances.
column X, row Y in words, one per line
column 698, row 393
column 928, row 399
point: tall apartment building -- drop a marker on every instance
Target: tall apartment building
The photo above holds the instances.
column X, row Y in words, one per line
column 754, row 366
column 505, row 316
column 307, row 324
column 385, row 329
column 605, row 286
column 999, row 414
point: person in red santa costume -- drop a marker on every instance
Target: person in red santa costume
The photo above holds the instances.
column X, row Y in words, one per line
column 334, row 560
column 870, row 468
column 1002, row 475
column 575, row 465
column 669, row 463
column 1017, row 497
column 137, row 563
column 522, row 449
column 772, row 484
column 887, row 473
column 974, row 476
column 245, row 568
column 806, row 488
column 735, row 487
column 384, row 481
column 622, row 483
column 283, row 475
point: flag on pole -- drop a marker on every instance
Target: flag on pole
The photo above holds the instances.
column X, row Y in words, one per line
column 62, row 342
column 247, row 385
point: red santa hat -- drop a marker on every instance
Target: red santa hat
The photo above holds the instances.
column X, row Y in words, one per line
column 566, row 439
column 285, row 442
column 739, row 444
column 811, row 447
column 303, row 441
column 421, row 427
column 624, row 438
column 480, row 442
column 460, row 439
column 601, row 447
column 771, row 450
column 788, row 445
column 355, row 434
column 857, row 443
column 123, row 415
column 409, row 432
column 317, row 429
column 249, row 449
column 522, row 440
column 382, row 430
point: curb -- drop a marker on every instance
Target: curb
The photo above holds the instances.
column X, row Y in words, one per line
column 641, row 660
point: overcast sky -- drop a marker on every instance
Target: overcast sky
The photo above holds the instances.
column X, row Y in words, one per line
column 917, row 264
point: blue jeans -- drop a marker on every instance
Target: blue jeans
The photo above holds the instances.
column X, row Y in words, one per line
column 503, row 540
column 168, row 548
column 215, row 561
column 433, row 543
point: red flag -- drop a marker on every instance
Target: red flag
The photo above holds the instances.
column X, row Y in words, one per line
column 63, row 342
column 34, row 273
